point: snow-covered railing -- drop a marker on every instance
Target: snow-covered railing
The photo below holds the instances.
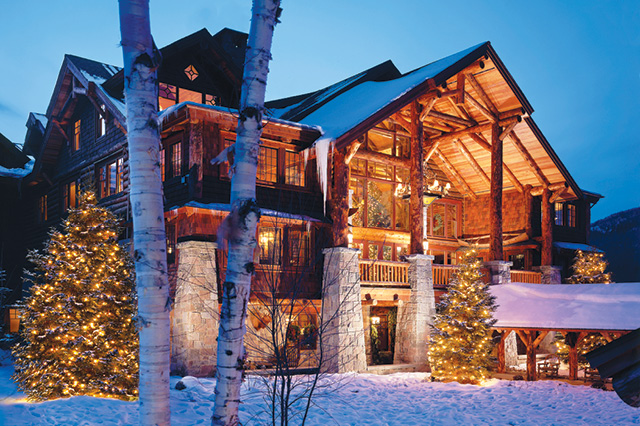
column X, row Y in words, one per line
column 384, row 272
column 527, row 277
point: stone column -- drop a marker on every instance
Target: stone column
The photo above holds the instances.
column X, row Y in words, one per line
column 366, row 324
column 511, row 350
column 342, row 322
column 500, row 271
column 195, row 311
column 416, row 316
column 550, row 274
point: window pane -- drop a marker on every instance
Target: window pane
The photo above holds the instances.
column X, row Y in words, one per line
column 73, row 201
column 452, row 221
column 269, row 239
column 298, row 247
column 380, row 171
column 224, row 167
column 380, row 141
column 176, row 159
column 112, row 178
column 373, row 251
column 167, row 95
column 379, row 204
column 571, row 215
column 120, row 183
column 190, row 96
column 558, row 218
column 76, row 136
column 268, row 165
column 102, row 185
column 402, row 213
column 387, row 252
column 294, row 169
column 402, row 146
column 358, row 166
column 211, row 100
column 437, row 222
column 357, row 201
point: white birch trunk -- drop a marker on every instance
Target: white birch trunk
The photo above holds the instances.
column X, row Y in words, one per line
column 141, row 95
column 244, row 216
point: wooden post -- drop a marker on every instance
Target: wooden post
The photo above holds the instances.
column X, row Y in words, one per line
column 574, row 340
column 340, row 200
column 530, row 340
column 495, row 207
column 416, row 177
column 531, row 363
column 547, row 229
column 502, row 367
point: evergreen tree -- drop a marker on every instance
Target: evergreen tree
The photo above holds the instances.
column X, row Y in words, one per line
column 79, row 335
column 461, row 345
column 588, row 268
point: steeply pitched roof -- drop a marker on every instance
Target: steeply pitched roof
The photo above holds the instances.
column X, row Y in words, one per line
column 343, row 114
column 295, row 108
column 10, row 156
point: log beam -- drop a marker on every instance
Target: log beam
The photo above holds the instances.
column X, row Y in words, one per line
column 537, row 191
column 432, row 148
column 453, row 173
column 495, row 200
column 382, row 158
column 427, row 108
column 547, row 229
column 58, row 127
column 482, row 94
column 340, row 200
column 449, row 118
column 480, row 140
column 351, row 151
column 528, row 158
column 474, row 164
column 481, row 108
column 460, row 89
column 477, row 129
column 416, row 177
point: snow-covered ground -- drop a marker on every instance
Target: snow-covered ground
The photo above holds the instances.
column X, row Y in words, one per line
column 399, row 399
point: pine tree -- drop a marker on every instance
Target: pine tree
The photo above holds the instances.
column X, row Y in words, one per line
column 79, row 335
column 461, row 345
column 588, row 268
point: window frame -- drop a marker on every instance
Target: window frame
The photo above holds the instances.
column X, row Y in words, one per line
column 76, row 134
column 104, row 184
column 69, row 192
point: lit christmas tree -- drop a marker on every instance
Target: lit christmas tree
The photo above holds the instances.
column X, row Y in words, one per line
column 78, row 334
column 461, row 344
column 588, row 268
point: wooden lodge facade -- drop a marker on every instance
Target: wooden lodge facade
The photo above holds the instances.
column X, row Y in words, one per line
column 460, row 123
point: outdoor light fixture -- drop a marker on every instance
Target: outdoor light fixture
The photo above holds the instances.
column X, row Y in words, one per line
column 432, row 191
column 375, row 320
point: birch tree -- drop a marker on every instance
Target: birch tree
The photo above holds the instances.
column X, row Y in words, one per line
column 141, row 60
column 242, row 220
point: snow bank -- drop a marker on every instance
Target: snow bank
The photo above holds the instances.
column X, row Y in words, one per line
column 568, row 306
column 405, row 399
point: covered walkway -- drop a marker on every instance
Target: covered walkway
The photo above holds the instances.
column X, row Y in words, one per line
column 575, row 310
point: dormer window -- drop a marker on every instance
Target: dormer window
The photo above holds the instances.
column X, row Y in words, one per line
column 75, row 140
column 191, row 72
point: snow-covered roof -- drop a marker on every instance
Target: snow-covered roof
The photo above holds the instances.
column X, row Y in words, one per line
column 41, row 118
column 354, row 106
column 576, row 246
column 568, row 306
column 19, row 172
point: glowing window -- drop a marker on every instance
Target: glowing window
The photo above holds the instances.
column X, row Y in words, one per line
column 75, row 143
column 293, row 169
column 167, row 95
column 185, row 95
column 559, row 218
column 269, row 240
column 210, row 99
column 571, row 215
column 69, row 196
column 111, row 178
column 268, row 165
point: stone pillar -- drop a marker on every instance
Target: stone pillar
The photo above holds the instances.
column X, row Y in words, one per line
column 343, row 334
column 195, row 310
column 550, row 274
column 416, row 316
column 511, row 350
column 500, row 271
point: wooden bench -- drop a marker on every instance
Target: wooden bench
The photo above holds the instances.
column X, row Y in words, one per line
column 549, row 366
column 591, row 374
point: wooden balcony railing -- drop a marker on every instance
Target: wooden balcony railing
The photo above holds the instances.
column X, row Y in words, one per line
column 384, row 272
column 529, row 277
column 442, row 274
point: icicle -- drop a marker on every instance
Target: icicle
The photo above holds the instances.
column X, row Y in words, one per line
column 308, row 226
column 322, row 159
column 305, row 154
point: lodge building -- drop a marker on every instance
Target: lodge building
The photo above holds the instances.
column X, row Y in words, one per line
column 418, row 166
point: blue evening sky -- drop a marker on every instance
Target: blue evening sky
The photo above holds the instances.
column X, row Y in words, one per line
column 578, row 62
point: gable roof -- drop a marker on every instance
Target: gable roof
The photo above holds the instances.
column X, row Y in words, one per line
column 296, row 108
